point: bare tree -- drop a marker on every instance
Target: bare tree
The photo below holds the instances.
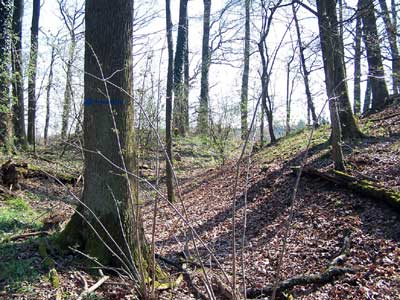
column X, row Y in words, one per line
column 391, row 32
column 305, row 73
column 5, row 111
column 48, row 92
column 32, row 73
column 267, row 104
column 329, row 41
column 375, row 66
column 73, row 20
column 202, row 124
column 180, row 112
column 357, row 66
column 108, row 225
column 246, row 68
column 335, row 79
column 168, row 109
column 17, row 71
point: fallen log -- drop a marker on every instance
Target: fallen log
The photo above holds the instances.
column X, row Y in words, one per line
column 327, row 276
column 360, row 186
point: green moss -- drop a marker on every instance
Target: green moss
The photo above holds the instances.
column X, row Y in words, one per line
column 48, row 262
column 54, row 278
column 18, row 204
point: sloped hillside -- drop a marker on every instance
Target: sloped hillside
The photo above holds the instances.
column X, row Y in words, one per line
column 324, row 217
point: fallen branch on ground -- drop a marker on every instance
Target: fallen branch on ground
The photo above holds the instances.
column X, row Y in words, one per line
column 93, row 287
column 26, row 235
column 360, row 186
column 320, row 278
column 384, row 118
column 330, row 274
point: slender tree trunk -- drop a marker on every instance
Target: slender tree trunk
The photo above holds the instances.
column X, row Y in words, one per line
column 205, row 66
column 32, row 72
column 48, row 91
column 288, row 100
column 289, row 92
column 5, row 111
column 168, row 109
column 357, row 68
column 380, row 93
column 334, row 72
column 109, row 129
column 262, row 126
column 392, row 37
column 367, row 97
column 267, row 107
column 186, row 79
column 305, row 72
column 68, row 89
column 245, row 77
column 327, row 43
column 17, row 70
column 181, row 45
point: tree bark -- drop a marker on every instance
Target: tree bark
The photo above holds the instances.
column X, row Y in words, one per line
column 168, row 109
column 391, row 33
column 335, row 79
column 245, row 76
column 179, row 88
column 109, row 130
column 305, row 72
column 357, row 67
column 48, row 91
column 32, row 73
column 17, row 70
column 376, row 74
column 367, row 97
column 5, row 111
column 205, row 66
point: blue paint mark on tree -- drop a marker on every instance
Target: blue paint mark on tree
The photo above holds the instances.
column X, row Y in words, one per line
column 113, row 102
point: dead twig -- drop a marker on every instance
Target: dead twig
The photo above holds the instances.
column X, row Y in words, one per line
column 94, row 287
column 26, row 235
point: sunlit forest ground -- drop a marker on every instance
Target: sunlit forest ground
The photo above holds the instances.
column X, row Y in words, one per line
column 323, row 216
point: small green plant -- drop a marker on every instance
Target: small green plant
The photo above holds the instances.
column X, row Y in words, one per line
column 17, row 215
column 18, row 204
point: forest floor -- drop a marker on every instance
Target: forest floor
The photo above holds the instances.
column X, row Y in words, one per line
column 321, row 218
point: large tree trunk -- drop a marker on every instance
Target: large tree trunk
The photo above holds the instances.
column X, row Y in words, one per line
column 109, row 129
column 305, row 72
column 245, row 77
column 32, row 73
column 357, row 68
column 202, row 125
column 17, row 70
column 376, row 74
column 5, row 112
column 168, row 108
column 179, row 89
column 392, row 37
column 334, row 70
column 48, row 90
column 68, row 89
